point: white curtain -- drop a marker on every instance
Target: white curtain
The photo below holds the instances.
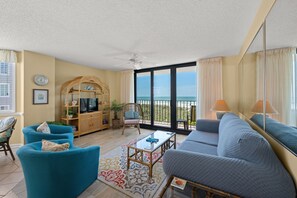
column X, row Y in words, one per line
column 210, row 86
column 8, row 56
column 127, row 86
column 279, row 81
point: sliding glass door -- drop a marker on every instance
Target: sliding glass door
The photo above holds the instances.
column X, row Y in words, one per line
column 162, row 98
column 167, row 96
column 186, row 92
column 143, row 90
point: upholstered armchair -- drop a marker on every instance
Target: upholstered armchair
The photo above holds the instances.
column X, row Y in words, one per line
column 6, row 129
column 58, row 174
column 132, row 115
column 57, row 132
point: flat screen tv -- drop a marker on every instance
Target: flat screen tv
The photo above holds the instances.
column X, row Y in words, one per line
column 93, row 104
column 83, row 105
column 88, row 105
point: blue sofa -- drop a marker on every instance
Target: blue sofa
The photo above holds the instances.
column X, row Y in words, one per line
column 229, row 155
column 57, row 132
column 58, row 174
column 286, row 135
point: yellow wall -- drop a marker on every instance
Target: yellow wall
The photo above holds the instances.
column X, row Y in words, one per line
column 230, row 82
column 247, row 84
column 67, row 71
column 35, row 63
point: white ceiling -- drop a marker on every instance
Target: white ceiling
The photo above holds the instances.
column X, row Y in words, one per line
column 105, row 33
column 281, row 31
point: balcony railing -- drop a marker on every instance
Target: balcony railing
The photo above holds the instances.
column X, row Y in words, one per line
column 162, row 112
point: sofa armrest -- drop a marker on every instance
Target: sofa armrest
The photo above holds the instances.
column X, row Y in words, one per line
column 228, row 174
column 208, row 125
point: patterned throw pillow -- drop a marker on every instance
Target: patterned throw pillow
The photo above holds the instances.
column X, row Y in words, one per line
column 43, row 128
column 52, row 146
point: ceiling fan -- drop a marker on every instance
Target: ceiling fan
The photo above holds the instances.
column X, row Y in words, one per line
column 135, row 61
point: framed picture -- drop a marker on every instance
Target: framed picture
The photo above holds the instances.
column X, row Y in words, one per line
column 40, row 96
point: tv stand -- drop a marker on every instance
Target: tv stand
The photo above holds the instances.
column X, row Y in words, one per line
column 85, row 87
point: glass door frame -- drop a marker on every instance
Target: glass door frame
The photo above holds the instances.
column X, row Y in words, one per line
column 172, row 69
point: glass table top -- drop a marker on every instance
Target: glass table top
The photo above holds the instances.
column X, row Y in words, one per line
column 142, row 144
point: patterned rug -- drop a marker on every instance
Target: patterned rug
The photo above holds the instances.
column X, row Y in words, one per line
column 134, row 182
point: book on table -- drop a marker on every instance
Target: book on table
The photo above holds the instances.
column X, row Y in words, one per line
column 178, row 183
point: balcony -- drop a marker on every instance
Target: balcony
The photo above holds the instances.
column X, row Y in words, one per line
column 162, row 112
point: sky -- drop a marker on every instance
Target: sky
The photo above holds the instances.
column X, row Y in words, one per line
column 185, row 82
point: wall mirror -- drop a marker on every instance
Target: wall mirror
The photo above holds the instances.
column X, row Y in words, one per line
column 249, row 78
column 276, row 67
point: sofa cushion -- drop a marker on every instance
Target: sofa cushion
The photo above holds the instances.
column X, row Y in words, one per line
column 231, row 118
column 198, row 147
column 238, row 140
column 204, row 137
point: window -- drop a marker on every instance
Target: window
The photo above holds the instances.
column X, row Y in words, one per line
column 4, row 90
column 4, row 107
column 3, row 69
column 7, row 87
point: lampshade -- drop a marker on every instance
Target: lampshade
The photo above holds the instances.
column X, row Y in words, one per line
column 220, row 105
column 258, row 107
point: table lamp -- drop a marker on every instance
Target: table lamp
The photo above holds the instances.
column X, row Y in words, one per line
column 258, row 107
column 220, row 107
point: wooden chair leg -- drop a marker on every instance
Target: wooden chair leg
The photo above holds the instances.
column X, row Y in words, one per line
column 138, row 127
column 4, row 148
column 11, row 153
column 123, row 129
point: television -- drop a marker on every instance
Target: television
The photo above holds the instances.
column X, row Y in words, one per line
column 88, row 105
column 93, row 104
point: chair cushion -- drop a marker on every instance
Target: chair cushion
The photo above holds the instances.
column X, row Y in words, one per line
column 44, row 128
column 132, row 121
column 52, row 146
column 3, row 136
column 6, row 122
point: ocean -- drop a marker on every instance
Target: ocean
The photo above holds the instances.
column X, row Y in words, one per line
column 186, row 98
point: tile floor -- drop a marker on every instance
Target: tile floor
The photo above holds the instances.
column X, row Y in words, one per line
column 12, row 184
column 11, row 172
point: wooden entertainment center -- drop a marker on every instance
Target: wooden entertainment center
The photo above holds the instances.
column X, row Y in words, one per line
column 85, row 104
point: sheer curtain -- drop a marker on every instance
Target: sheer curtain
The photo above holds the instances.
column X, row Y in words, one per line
column 127, row 86
column 279, row 81
column 210, row 86
column 8, row 56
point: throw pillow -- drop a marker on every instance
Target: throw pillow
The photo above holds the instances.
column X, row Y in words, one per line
column 52, row 146
column 43, row 128
column 136, row 115
column 129, row 115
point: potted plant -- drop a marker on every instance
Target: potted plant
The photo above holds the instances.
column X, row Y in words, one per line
column 116, row 108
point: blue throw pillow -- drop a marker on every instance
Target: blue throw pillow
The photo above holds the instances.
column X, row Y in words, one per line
column 129, row 115
column 136, row 115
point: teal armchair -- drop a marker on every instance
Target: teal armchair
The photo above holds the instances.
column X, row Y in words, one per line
column 57, row 132
column 58, row 174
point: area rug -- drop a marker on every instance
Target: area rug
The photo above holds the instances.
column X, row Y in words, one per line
column 134, row 182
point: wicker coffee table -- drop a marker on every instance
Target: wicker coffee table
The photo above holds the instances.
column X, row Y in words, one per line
column 137, row 151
